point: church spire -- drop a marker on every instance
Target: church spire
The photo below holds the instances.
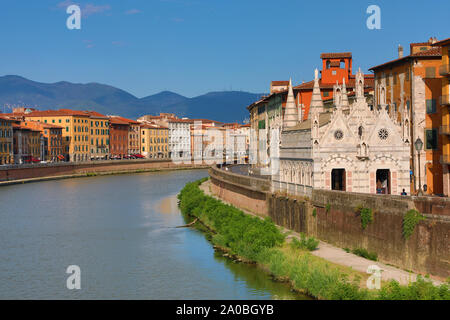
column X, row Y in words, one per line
column 316, row 105
column 291, row 111
column 344, row 97
column 359, row 86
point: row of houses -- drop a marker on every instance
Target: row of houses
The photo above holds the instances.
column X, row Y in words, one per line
column 28, row 135
column 383, row 132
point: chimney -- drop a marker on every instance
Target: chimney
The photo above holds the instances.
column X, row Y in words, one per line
column 400, row 51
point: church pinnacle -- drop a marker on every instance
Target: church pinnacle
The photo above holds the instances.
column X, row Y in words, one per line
column 316, row 105
column 291, row 111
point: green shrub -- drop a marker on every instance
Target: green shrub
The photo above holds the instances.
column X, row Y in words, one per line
column 328, row 207
column 306, row 243
column 245, row 235
column 410, row 220
column 365, row 254
column 366, row 215
column 314, row 213
column 422, row 289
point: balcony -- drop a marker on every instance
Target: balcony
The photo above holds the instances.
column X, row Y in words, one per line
column 445, row 100
column 444, row 70
column 445, row 129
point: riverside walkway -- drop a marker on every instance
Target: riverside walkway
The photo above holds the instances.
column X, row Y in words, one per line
column 339, row 256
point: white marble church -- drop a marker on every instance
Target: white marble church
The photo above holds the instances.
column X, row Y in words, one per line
column 351, row 148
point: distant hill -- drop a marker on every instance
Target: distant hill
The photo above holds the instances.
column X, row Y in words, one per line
column 227, row 106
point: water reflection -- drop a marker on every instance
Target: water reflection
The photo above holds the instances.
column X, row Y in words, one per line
column 120, row 231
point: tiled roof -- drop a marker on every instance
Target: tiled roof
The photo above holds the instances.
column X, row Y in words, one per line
column 96, row 114
column 416, row 44
column 444, row 42
column 114, row 120
column 126, row 120
column 152, row 126
column 280, row 83
column 368, row 82
column 336, row 55
column 6, row 118
column 56, row 113
column 181, row 120
column 324, row 118
column 21, row 127
column 435, row 52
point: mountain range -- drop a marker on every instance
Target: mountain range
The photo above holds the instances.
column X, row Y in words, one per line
column 225, row 106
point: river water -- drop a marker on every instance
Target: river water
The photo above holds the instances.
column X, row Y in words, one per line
column 120, row 231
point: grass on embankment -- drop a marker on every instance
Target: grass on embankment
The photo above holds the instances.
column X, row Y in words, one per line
column 262, row 242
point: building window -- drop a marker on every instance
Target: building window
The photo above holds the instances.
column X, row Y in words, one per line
column 431, row 106
column 431, row 139
column 326, row 94
column 262, row 124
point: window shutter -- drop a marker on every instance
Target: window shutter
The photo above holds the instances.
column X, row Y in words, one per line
column 431, row 106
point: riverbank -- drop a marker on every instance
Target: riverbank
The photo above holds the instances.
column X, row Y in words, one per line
column 338, row 255
column 261, row 242
column 100, row 173
column 79, row 169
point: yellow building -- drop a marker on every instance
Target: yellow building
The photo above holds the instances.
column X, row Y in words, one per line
column 76, row 130
column 6, row 141
column 154, row 141
column 99, row 136
column 444, row 71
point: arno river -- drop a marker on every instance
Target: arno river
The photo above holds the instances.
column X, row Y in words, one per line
column 120, row 231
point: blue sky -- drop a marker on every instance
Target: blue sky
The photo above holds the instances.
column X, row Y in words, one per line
column 196, row 46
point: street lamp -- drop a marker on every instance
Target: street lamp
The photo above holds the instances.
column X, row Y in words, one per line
column 419, row 144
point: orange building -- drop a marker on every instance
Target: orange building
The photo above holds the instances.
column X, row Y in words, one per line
column 134, row 136
column 53, row 147
column 336, row 68
column 118, row 139
column 410, row 86
column 444, row 71
column 76, row 129
column 6, row 141
column 27, row 144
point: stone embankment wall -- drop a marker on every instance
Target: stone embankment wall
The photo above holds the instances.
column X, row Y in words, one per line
column 244, row 192
column 11, row 173
column 331, row 217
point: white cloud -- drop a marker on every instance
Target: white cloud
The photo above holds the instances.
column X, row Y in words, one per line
column 133, row 11
column 87, row 9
